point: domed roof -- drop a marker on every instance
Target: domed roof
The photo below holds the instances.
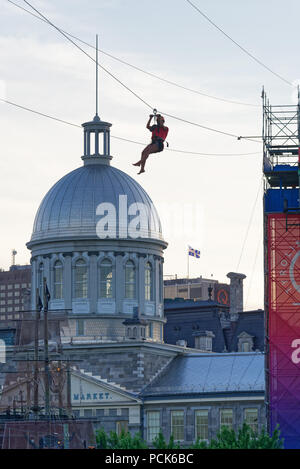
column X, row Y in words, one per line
column 68, row 210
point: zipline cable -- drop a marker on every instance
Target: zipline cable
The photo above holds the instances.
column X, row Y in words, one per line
column 170, row 82
column 130, row 90
column 249, row 224
column 237, row 44
column 253, row 268
column 11, row 103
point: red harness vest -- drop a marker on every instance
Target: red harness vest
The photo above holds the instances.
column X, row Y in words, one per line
column 159, row 132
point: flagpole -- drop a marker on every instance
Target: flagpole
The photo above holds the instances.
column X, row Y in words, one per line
column 188, row 264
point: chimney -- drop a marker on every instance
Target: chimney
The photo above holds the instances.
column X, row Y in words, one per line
column 236, row 294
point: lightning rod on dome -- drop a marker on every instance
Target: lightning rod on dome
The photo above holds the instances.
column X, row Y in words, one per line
column 97, row 75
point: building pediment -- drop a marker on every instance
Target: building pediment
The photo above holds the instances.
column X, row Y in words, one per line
column 90, row 390
column 245, row 335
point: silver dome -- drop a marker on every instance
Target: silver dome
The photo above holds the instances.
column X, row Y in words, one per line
column 68, row 210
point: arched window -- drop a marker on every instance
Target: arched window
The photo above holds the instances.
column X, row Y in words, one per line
column 134, row 332
column 58, row 280
column 41, row 280
column 148, row 282
column 106, row 279
column 81, row 277
column 130, row 280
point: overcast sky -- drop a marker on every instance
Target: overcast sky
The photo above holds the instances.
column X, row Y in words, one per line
column 203, row 201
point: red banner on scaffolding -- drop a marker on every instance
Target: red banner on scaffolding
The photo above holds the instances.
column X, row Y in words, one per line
column 284, row 325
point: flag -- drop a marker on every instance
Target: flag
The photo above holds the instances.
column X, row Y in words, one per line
column 39, row 304
column 47, row 297
column 194, row 252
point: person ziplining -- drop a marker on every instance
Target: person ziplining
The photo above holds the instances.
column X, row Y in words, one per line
column 159, row 135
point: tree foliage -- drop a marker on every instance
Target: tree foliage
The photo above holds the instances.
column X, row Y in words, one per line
column 123, row 441
column 227, row 438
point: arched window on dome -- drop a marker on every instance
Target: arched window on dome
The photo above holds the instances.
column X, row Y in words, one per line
column 106, row 279
column 130, row 280
column 40, row 280
column 148, row 282
column 58, row 280
column 81, row 279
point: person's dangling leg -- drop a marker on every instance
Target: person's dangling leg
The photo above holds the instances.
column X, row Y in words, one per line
column 143, row 155
column 152, row 148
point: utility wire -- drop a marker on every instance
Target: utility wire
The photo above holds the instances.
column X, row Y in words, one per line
column 11, row 103
column 153, row 75
column 249, row 224
column 253, row 269
column 89, row 56
column 237, row 44
column 131, row 91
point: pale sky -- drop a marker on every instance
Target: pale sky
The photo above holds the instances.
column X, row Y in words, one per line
column 205, row 202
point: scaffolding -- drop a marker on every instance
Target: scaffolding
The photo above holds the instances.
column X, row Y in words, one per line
column 281, row 131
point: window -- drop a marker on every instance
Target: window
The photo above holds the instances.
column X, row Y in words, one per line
column 148, row 282
column 9, row 294
column 2, row 287
column 251, row 418
column 201, row 424
column 177, row 425
column 204, row 342
column 80, row 327
column 58, row 280
column 245, row 347
column 246, row 342
column 151, row 330
column 106, row 274
column 196, row 293
column 153, row 425
column 17, row 293
column 130, row 280
column 121, row 426
column 9, row 287
column 81, row 279
column 226, row 418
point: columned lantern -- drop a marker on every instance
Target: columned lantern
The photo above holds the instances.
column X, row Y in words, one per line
column 96, row 141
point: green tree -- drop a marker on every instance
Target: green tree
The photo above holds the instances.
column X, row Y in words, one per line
column 123, row 441
column 245, row 438
column 160, row 443
column 227, row 438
